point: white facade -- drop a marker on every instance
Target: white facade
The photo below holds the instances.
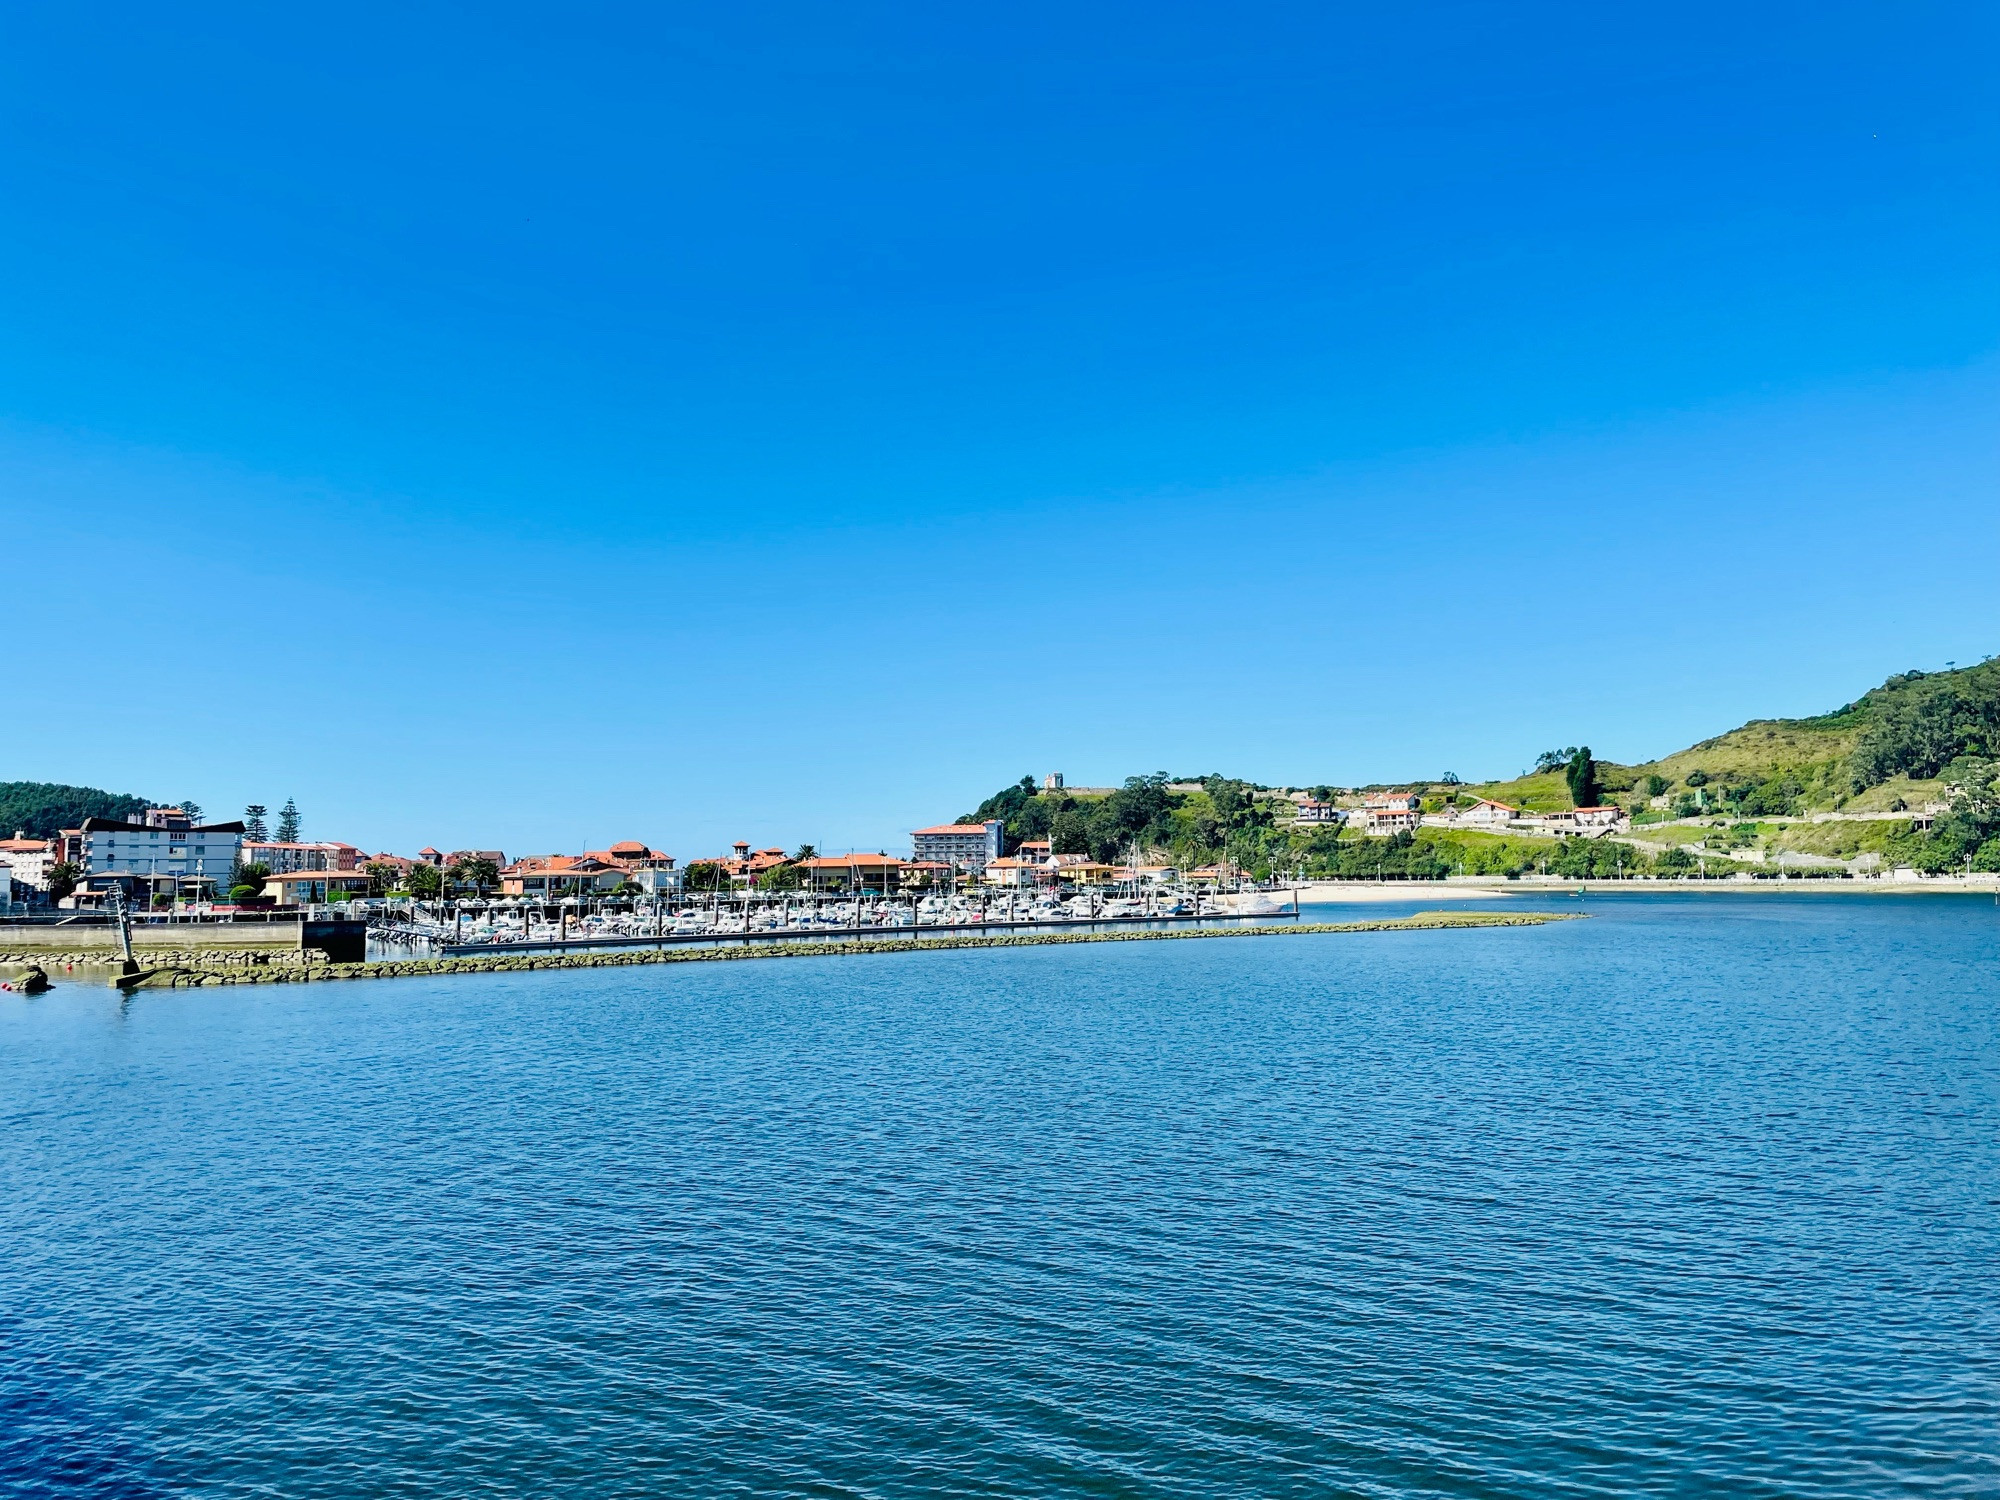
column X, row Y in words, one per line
column 132, row 850
column 29, row 859
column 1393, row 820
column 1376, row 802
column 963, row 846
column 283, row 859
column 1489, row 814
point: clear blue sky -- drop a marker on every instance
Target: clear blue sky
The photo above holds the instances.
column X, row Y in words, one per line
column 534, row 427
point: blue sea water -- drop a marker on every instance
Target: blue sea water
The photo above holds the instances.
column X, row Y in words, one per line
column 1700, row 1196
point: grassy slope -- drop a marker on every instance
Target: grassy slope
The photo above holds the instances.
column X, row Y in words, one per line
column 1812, row 751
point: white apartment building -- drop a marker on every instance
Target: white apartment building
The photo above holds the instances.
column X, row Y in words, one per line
column 968, row 847
column 29, row 859
column 165, row 853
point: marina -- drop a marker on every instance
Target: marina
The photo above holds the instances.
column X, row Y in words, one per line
column 465, row 928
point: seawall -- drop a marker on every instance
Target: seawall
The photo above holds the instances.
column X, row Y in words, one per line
column 191, row 969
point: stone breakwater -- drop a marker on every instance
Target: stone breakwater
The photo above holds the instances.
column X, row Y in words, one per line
column 213, row 968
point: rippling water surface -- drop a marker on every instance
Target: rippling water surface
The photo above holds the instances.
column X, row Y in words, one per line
column 1698, row 1197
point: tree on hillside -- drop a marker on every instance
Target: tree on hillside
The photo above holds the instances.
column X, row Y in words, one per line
column 1069, row 833
column 1553, row 760
column 255, row 829
column 1581, row 774
column 1922, row 721
column 288, row 822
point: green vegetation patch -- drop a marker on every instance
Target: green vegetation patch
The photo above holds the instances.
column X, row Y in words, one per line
column 42, row 809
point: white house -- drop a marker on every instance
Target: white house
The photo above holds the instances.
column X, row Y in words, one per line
column 1314, row 811
column 1010, row 871
column 1486, row 813
column 1595, row 820
column 1393, row 802
column 1393, row 819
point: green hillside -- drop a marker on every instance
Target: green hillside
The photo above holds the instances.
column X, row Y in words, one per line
column 1921, row 738
column 42, row 809
column 1894, row 745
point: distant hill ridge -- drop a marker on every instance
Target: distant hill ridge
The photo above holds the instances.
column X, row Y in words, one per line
column 1890, row 745
column 42, row 809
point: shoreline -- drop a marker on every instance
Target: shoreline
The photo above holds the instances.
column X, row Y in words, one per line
column 222, row 972
column 1335, row 892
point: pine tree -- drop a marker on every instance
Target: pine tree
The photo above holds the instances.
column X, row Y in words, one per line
column 192, row 808
column 288, row 822
column 255, row 829
column 1581, row 773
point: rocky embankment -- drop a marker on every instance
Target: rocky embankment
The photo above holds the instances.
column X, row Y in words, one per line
column 190, row 969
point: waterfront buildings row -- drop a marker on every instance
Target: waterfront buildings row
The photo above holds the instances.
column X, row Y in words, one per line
column 166, row 856
column 1387, row 813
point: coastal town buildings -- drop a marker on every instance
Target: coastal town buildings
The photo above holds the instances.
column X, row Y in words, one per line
column 281, row 859
column 27, row 860
column 1313, row 811
column 628, row 864
column 1388, row 813
column 1081, row 869
column 1592, row 821
column 560, row 875
column 966, row 847
column 315, row 887
column 1393, row 802
column 876, row 874
column 749, row 866
column 1486, row 813
column 164, row 854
